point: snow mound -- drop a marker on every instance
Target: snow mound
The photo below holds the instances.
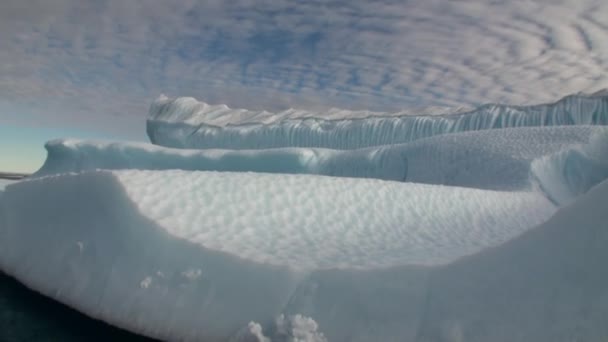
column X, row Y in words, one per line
column 188, row 123
column 498, row 159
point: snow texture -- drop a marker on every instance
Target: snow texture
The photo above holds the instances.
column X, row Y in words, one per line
column 125, row 256
column 567, row 174
column 188, row 123
column 339, row 222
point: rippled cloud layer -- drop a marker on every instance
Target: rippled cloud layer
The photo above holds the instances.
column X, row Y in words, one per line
column 96, row 63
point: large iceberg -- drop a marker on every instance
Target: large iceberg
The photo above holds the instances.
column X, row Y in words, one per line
column 466, row 227
column 187, row 123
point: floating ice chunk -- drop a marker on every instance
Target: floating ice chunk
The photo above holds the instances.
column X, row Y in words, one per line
column 145, row 283
column 296, row 328
column 253, row 332
column 192, row 274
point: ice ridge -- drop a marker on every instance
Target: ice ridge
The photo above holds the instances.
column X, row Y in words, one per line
column 188, row 123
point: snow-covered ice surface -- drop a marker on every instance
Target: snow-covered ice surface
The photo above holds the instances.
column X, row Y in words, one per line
column 164, row 252
column 470, row 228
column 339, row 222
column 132, row 261
column 188, row 123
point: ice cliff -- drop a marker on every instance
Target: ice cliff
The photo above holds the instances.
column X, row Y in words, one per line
column 188, row 123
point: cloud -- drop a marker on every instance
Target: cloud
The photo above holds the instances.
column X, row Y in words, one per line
column 101, row 63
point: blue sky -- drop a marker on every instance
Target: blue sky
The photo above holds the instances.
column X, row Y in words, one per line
column 90, row 69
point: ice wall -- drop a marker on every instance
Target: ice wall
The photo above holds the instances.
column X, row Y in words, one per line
column 187, row 123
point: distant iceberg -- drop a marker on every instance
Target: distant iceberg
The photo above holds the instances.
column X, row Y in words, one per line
column 188, row 123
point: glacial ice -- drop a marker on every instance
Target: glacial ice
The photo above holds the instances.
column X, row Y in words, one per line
column 188, row 123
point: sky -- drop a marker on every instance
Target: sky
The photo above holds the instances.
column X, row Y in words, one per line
column 90, row 68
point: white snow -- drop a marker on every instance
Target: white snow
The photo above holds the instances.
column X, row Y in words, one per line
column 188, row 123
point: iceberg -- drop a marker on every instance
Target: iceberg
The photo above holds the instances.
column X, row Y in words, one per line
column 499, row 159
column 486, row 225
column 188, row 123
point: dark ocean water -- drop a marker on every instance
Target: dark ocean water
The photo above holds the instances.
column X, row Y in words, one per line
column 28, row 316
